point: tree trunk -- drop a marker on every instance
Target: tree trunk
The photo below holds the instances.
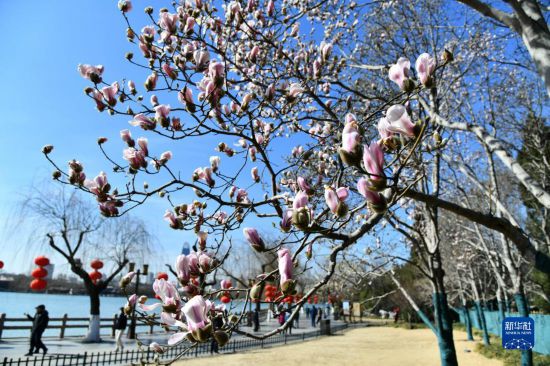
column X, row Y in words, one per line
column 468, row 323
column 482, row 322
column 444, row 325
column 523, row 310
column 93, row 334
column 537, row 42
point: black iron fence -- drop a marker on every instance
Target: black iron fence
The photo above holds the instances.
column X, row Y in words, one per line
column 147, row 356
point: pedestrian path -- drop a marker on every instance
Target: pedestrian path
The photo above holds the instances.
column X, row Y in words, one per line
column 18, row 347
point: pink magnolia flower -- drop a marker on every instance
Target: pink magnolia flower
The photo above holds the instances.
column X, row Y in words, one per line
column 92, row 73
column 286, row 222
column 162, row 111
column 225, row 284
column 170, row 71
column 185, row 96
column 242, row 196
column 189, row 24
column 399, row 121
column 168, row 295
column 373, row 159
column 350, row 135
column 375, row 199
column 399, row 72
column 168, row 22
column 109, row 93
column 253, row 54
column 304, row 186
column 325, row 49
column 143, row 145
column 425, row 67
column 165, row 156
column 201, row 58
column 254, row 174
column 201, row 238
column 98, row 98
column 285, row 266
column 155, row 347
column 132, row 86
column 335, row 200
column 151, row 81
column 206, row 262
column 270, row 8
column 143, row 121
column 182, row 269
column 215, row 163
column 126, row 136
column 295, row 91
column 136, row 158
column 216, row 71
column 300, row 200
column 383, row 126
column 154, row 100
column 252, row 152
column 98, row 186
column 254, row 239
column 220, row 217
column 175, row 222
column 108, row 208
column 196, row 313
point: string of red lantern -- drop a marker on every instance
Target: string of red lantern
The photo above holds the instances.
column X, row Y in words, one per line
column 39, row 273
column 95, row 275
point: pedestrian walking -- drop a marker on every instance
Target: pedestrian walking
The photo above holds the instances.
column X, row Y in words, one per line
column 313, row 313
column 217, row 323
column 39, row 324
column 120, row 327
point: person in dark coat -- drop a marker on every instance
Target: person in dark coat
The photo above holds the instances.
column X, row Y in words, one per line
column 39, row 324
column 313, row 313
column 120, row 326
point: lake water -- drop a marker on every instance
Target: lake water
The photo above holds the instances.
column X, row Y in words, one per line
column 15, row 304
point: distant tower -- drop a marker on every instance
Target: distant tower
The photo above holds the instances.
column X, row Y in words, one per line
column 185, row 250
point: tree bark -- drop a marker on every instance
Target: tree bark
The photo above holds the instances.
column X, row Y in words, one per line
column 523, row 244
column 93, row 334
column 523, row 310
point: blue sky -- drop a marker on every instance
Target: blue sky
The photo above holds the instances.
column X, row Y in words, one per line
column 43, row 103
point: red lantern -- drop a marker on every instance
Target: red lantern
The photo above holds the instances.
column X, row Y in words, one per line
column 41, row 261
column 96, row 264
column 39, row 272
column 1, row 264
column 162, row 276
column 38, row 284
column 316, row 299
column 225, row 299
column 95, row 275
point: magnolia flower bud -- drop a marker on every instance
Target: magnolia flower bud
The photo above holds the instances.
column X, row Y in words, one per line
column 56, row 174
column 221, row 337
column 101, row 140
column 47, row 149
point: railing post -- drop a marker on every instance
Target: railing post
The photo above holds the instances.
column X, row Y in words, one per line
column 63, row 325
column 152, row 325
column 2, row 320
column 85, row 356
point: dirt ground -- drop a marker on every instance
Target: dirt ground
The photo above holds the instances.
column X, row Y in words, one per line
column 377, row 346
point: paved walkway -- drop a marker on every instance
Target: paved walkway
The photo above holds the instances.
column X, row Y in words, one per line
column 370, row 346
column 17, row 347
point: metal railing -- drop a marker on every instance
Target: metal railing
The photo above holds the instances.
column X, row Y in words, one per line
column 148, row 356
column 63, row 323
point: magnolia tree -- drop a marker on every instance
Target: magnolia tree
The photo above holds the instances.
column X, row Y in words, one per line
column 298, row 141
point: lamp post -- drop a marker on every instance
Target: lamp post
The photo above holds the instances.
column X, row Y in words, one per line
column 132, row 266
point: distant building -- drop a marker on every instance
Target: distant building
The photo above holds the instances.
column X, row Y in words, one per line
column 186, row 249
